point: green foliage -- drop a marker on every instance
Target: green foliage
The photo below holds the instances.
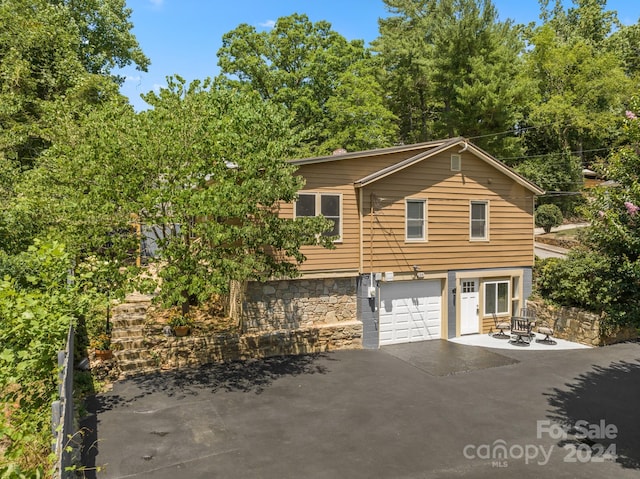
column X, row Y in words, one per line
column 356, row 116
column 325, row 81
column 553, row 172
column 606, row 276
column 180, row 320
column 56, row 58
column 105, row 35
column 36, row 308
column 548, row 216
column 578, row 92
column 211, row 175
column 451, row 69
column 592, row 281
column 204, row 170
column 578, row 86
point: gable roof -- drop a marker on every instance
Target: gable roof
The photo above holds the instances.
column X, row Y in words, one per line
column 363, row 154
column 424, row 151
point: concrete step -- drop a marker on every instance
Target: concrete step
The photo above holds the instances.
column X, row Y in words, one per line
column 132, row 332
column 132, row 355
column 125, row 309
column 133, row 366
column 126, row 343
column 128, row 320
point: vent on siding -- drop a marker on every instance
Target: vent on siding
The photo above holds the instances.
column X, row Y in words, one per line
column 455, row 163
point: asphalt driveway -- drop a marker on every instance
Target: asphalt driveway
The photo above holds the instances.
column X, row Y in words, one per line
column 423, row 410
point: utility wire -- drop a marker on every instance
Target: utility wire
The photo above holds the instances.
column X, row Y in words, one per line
column 527, row 128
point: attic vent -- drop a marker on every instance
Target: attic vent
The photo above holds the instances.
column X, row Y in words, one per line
column 339, row 151
column 455, row 163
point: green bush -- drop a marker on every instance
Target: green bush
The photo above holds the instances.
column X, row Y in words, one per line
column 591, row 281
column 548, row 216
column 37, row 305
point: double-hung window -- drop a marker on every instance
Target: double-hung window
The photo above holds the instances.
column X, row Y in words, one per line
column 479, row 220
column 496, row 297
column 416, row 220
column 325, row 204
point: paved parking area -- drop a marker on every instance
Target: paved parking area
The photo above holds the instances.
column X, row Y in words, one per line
column 432, row 409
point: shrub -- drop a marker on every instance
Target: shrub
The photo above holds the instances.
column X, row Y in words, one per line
column 37, row 304
column 548, row 216
column 589, row 280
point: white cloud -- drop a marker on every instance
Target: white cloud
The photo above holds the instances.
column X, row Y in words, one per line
column 268, row 24
column 156, row 3
column 157, row 87
column 132, row 78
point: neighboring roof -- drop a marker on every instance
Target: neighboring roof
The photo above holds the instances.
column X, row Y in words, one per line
column 425, row 150
column 366, row 153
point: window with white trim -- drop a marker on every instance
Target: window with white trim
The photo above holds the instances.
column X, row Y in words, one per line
column 478, row 220
column 496, row 297
column 415, row 219
column 325, row 204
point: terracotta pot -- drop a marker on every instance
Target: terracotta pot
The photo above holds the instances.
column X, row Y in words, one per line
column 181, row 330
column 104, row 354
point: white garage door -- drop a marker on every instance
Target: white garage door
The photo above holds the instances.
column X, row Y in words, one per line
column 410, row 311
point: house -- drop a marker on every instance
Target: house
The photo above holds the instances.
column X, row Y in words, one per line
column 433, row 239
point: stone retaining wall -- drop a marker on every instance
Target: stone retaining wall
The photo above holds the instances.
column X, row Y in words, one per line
column 171, row 352
column 298, row 303
column 577, row 325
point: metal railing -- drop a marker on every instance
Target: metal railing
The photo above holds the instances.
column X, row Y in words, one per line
column 62, row 411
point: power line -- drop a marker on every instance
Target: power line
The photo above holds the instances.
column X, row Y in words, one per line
column 519, row 130
column 578, row 152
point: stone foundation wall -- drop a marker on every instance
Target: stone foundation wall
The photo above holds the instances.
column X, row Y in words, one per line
column 577, row 325
column 298, row 303
column 171, row 352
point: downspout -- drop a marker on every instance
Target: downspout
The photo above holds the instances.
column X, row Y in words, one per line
column 361, row 214
column 371, row 237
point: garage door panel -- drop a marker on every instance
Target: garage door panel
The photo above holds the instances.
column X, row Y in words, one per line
column 410, row 311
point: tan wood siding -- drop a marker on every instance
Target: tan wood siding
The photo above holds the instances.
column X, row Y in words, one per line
column 448, row 195
column 338, row 177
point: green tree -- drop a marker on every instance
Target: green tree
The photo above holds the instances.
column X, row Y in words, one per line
column 452, row 70
column 356, row 116
column 307, row 68
column 203, row 169
column 106, row 40
column 548, row 216
column 54, row 56
column 578, row 90
column 625, row 42
column 605, row 275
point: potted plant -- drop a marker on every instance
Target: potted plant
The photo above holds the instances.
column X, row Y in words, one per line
column 181, row 324
column 102, row 346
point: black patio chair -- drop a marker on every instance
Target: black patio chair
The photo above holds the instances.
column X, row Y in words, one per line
column 502, row 325
column 530, row 315
column 546, row 329
column 520, row 331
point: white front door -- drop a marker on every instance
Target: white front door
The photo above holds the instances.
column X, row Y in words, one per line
column 469, row 307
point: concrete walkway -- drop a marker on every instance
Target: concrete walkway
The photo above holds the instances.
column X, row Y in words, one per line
column 543, row 251
column 433, row 409
column 487, row 341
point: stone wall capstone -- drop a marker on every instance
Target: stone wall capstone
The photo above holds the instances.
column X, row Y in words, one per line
column 298, row 303
column 578, row 325
column 194, row 350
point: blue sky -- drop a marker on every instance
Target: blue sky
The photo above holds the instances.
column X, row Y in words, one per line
column 183, row 36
